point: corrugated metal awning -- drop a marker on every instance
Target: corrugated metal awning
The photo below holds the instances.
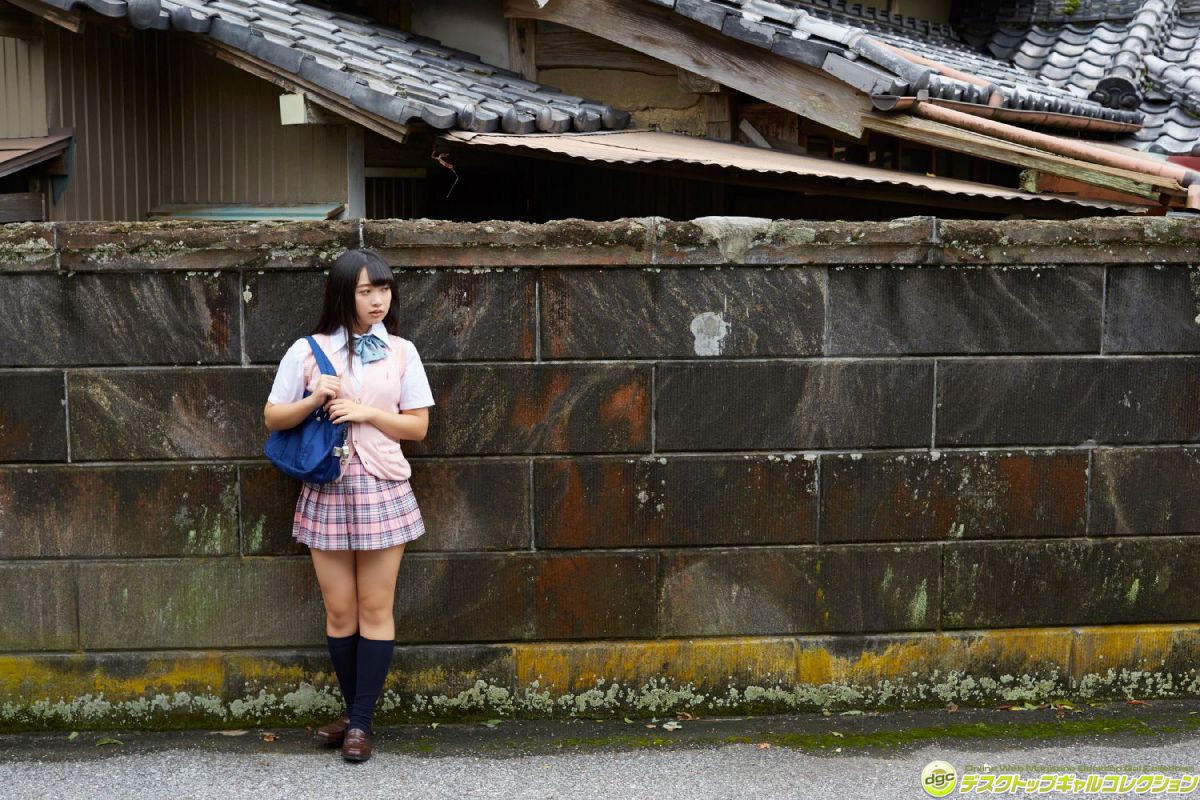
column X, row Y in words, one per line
column 647, row 147
column 19, row 154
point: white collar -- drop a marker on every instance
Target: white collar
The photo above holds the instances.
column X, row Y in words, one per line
column 337, row 339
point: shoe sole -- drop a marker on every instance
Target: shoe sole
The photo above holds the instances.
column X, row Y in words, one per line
column 355, row 759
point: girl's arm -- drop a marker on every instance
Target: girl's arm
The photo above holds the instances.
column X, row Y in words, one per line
column 281, row 416
column 410, row 425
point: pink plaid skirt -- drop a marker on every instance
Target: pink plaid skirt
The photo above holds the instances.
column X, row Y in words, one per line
column 356, row 512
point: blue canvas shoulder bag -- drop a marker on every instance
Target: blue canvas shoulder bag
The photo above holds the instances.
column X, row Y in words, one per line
column 312, row 451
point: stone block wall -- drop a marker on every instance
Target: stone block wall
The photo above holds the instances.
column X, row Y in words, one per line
column 647, row 434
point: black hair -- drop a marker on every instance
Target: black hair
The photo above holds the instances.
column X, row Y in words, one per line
column 339, row 310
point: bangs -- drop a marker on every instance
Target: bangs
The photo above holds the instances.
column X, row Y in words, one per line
column 378, row 272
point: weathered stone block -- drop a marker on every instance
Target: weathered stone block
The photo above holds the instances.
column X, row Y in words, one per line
column 178, row 413
column 268, row 505
column 39, row 607
column 593, row 596
column 55, row 512
column 463, row 598
column 1112, row 240
column 674, row 502
column 199, row 603
column 27, row 247
column 465, row 505
column 1152, row 310
column 33, row 420
column 119, row 319
column 876, row 311
column 739, row 592
column 794, row 405
column 879, row 588
column 1138, row 491
column 448, row 314
column 749, row 240
column 916, row 496
column 502, row 243
column 682, row 313
column 193, row 245
column 1075, row 582
column 538, row 408
column 1067, row 401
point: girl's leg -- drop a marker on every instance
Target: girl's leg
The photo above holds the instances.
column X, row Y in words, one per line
column 376, row 581
column 336, row 575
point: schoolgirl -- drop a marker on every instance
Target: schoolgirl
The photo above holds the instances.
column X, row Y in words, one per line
column 356, row 526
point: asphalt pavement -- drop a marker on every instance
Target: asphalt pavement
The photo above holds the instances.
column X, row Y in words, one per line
column 868, row 755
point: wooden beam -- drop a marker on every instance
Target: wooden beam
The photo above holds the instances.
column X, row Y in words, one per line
column 750, row 132
column 71, row 20
column 1039, row 183
column 21, row 207
column 948, row 137
column 670, row 37
column 522, row 48
column 338, row 105
column 568, row 49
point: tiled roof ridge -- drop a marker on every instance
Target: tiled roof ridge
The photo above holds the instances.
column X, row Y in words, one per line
column 1181, row 85
column 1122, row 87
column 859, row 13
column 858, row 58
column 1017, row 12
column 396, row 75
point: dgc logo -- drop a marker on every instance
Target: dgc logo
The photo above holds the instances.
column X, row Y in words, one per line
column 939, row 778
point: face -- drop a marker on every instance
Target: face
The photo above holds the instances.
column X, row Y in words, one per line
column 370, row 302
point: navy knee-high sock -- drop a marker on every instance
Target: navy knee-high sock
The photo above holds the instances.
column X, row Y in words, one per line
column 374, row 657
column 343, row 650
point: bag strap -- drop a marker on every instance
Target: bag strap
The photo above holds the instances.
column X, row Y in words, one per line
column 323, row 362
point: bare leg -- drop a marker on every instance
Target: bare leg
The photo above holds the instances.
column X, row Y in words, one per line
column 376, row 572
column 336, row 575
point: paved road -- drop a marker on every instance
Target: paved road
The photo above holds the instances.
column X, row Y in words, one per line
column 800, row 756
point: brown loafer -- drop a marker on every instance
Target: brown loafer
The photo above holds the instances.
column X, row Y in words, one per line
column 334, row 732
column 357, row 745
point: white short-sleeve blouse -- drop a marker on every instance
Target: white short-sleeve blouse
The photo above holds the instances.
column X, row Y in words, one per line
column 289, row 380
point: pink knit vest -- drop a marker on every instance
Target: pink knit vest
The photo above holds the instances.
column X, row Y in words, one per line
column 380, row 454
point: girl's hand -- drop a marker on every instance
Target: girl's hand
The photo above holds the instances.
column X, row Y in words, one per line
column 326, row 388
column 343, row 410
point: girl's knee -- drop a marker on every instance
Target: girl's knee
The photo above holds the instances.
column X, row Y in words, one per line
column 343, row 617
column 372, row 614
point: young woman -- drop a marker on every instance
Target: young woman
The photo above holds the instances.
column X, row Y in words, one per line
column 356, row 526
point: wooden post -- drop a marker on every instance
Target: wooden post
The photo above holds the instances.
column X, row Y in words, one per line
column 356, row 173
column 522, row 53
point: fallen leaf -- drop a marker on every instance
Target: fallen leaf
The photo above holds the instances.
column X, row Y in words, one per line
column 627, row 719
column 491, row 723
column 651, row 725
column 103, row 740
column 1136, row 702
column 951, row 707
column 434, row 724
column 684, row 715
column 73, row 736
column 837, row 749
column 233, row 733
column 671, row 725
column 854, row 712
column 839, row 735
column 268, row 736
column 764, row 745
column 827, row 713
